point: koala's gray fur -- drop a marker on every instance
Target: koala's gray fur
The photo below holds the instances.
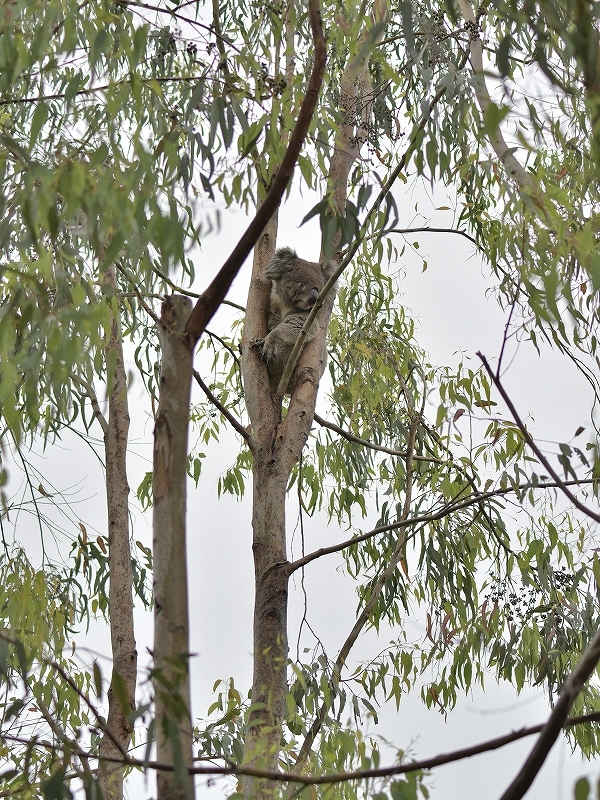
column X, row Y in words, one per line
column 295, row 286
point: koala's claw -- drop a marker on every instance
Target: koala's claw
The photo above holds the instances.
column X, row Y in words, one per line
column 267, row 351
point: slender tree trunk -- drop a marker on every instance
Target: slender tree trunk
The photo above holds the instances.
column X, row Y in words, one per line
column 276, row 445
column 171, row 619
column 121, row 697
column 269, row 685
column 263, row 731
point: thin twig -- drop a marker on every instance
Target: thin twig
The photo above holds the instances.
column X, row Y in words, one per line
column 188, row 292
column 174, row 13
column 139, row 294
column 43, row 98
column 350, row 437
column 431, row 230
column 562, row 485
column 506, row 328
column 217, row 403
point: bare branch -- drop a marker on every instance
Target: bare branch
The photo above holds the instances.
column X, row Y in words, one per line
column 556, row 721
column 562, row 485
column 431, row 230
column 217, row 403
column 215, row 293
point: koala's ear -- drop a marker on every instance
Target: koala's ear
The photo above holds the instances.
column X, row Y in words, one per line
column 281, row 262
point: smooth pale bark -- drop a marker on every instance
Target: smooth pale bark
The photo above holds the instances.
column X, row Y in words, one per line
column 171, row 619
column 276, row 445
column 506, row 156
column 117, row 737
column 269, row 684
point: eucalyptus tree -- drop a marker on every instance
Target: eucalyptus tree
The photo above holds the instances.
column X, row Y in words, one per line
column 123, row 125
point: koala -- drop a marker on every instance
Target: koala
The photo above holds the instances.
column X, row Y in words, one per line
column 295, row 286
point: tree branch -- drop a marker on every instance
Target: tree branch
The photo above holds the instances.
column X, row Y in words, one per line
column 385, row 189
column 217, row 403
column 450, row 508
column 139, row 294
column 562, row 485
column 215, row 293
column 336, row 777
column 42, row 98
column 179, row 290
column 173, row 12
column 556, row 721
column 427, row 229
column 350, row 437
column 524, row 180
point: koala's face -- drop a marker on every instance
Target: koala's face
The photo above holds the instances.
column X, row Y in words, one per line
column 296, row 283
column 299, row 287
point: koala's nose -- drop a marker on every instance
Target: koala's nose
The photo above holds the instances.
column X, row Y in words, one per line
column 312, row 296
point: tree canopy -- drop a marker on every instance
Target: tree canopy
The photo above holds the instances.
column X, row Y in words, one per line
column 126, row 130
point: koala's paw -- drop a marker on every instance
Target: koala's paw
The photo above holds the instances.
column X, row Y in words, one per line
column 267, row 347
column 269, row 350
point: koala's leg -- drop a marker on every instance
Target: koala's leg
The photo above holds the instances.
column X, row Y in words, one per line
column 278, row 344
column 283, row 337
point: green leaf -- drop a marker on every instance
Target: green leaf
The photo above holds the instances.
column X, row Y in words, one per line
column 55, row 788
column 97, row 680
column 582, row 789
column 403, row 790
column 493, row 117
column 40, row 115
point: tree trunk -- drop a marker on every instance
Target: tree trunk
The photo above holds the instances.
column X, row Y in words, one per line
column 121, row 698
column 275, row 445
column 171, row 619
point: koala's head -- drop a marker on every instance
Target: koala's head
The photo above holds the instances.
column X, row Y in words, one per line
column 296, row 282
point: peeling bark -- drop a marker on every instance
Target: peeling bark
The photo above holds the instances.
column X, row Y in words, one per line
column 171, row 619
column 117, row 737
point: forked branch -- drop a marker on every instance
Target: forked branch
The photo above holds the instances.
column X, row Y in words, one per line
column 214, row 295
